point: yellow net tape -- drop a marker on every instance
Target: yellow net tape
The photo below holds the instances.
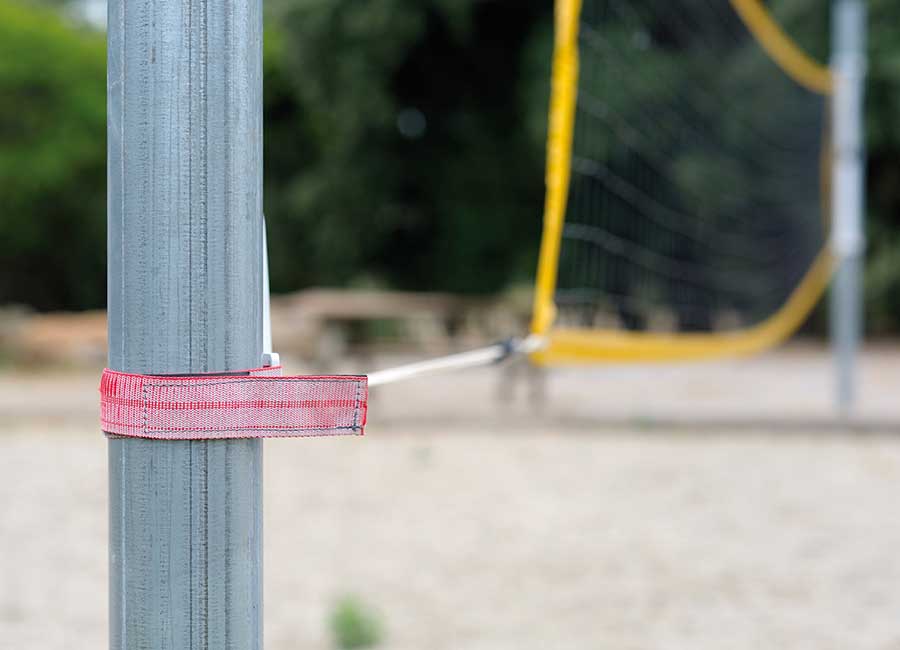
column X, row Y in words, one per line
column 778, row 45
column 571, row 345
column 564, row 87
column 592, row 346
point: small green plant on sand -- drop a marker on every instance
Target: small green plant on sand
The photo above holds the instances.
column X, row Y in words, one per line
column 353, row 625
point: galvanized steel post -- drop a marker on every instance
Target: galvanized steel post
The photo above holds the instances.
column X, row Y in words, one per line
column 185, row 296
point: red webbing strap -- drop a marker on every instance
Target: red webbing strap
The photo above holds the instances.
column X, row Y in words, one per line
column 260, row 404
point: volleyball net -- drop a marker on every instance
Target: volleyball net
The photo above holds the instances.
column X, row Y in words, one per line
column 686, row 213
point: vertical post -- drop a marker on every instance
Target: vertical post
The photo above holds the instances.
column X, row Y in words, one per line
column 184, row 296
column 848, row 238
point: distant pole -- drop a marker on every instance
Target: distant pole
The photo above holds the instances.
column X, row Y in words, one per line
column 848, row 197
column 185, row 296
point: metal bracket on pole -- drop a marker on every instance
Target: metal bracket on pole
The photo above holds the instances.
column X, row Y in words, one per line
column 269, row 358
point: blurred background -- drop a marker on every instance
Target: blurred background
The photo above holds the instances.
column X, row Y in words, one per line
column 504, row 508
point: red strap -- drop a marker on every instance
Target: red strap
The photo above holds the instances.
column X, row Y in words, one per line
column 260, row 404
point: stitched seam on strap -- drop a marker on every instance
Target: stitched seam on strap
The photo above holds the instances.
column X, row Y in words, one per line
column 251, row 380
column 131, row 403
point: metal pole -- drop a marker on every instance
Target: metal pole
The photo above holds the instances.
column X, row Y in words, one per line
column 848, row 238
column 185, row 291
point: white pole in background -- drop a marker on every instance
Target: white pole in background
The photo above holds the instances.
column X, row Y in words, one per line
column 848, row 199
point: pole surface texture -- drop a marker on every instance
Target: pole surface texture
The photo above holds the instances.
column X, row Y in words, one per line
column 848, row 238
column 184, row 296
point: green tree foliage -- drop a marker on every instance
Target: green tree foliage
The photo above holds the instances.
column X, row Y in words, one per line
column 52, row 160
column 397, row 146
column 404, row 145
column 883, row 168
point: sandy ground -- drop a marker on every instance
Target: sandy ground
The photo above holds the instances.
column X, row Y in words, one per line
column 713, row 506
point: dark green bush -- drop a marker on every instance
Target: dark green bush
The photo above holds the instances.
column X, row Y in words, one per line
column 52, row 160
